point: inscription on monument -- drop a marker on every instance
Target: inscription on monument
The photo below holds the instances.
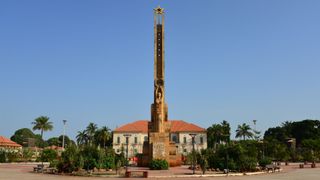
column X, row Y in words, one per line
column 159, row 150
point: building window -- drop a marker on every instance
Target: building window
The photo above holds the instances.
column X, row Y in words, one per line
column 185, row 150
column 201, row 140
column 174, row 139
column 146, row 138
column 118, row 140
column 136, row 140
column 184, row 140
column 118, row 150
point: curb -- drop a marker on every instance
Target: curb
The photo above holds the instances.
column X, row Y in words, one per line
column 209, row 175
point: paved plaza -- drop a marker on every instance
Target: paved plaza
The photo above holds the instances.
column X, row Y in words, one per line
column 291, row 172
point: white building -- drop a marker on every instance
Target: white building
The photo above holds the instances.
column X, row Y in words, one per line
column 180, row 133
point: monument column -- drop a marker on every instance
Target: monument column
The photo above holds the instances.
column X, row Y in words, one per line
column 159, row 127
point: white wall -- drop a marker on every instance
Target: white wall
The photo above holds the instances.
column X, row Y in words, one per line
column 133, row 147
column 181, row 145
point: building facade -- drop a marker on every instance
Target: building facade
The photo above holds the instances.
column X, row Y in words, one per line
column 179, row 134
column 8, row 145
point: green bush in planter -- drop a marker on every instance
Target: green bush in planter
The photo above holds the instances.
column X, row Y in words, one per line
column 265, row 161
column 159, row 164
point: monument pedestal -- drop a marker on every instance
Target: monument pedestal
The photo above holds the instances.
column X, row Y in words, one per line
column 159, row 145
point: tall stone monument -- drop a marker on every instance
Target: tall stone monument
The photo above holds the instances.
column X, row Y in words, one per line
column 159, row 145
column 159, row 127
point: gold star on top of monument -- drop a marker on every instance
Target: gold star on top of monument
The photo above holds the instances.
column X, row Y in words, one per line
column 159, row 10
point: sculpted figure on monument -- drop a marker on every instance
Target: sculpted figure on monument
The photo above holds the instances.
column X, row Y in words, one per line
column 159, row 96
column 158, row 93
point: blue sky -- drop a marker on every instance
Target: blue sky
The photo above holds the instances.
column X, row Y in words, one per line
column 92, row 61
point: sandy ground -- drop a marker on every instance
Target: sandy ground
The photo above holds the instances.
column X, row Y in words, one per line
column 291, row 172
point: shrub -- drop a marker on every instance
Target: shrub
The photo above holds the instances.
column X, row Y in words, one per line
column 27, row 154
column 90, row 163
column 159, row 164
column 48, row 155
column 3, row 157
column 203, row 163
column 69, row 160
column 248, row 164
column 109, row 161
column 54, row 163
column 265, row 161
column 12, row 156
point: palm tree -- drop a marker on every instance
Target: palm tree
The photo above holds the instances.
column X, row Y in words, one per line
column 91, row 130
column 215, row 134
column 226, row 130
column 42, row 123
column 82, row 137
column 103, row 135
column 244, row 131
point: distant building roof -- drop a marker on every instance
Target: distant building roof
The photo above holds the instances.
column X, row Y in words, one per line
column 53, row 147
column 141, row 126
column 5, row 142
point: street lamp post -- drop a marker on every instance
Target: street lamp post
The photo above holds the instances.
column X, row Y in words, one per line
column 64, row 132
column 254, row 129
column 193, row 153
column 127, row 142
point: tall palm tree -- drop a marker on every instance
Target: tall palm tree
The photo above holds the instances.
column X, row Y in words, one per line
column 42, row 123
column 103, row 135
column 226, row 131
column 82, row 137
column 244, row 131
column 91, row 130
column 215, row 132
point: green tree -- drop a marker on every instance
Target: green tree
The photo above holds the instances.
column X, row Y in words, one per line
column 54, row 141
column 82, row 138
column 48, row 155
column 67, row 140
column 218, row 133
column 22, row 136
column 90, row 131
column 42, row 123
column 306, row 129
column 278, row 133
column 71, row 160
column 244, row 131
column 226, row 131
column 27, row 154
column 203, row 160
column 102, row 136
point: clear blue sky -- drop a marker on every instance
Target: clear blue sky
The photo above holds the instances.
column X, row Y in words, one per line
column 92, row 61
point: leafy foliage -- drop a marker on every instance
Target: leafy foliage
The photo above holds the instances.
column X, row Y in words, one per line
column 159, row 164
column 70, row 160
column 92, row 135
column 202, row 159
column 3, row 157
column 48, row 155
column 218, row 133
column 42, row 123
column 26, row 137
column 265, row 161
column 244, row 131
column 236, row 156
column 300, row 130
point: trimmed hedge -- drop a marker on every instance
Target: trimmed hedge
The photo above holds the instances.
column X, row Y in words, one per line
column 159, row 164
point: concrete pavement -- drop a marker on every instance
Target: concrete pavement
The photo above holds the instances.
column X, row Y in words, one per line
column 292, row 172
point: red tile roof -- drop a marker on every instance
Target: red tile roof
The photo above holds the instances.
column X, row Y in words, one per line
column 176, row 126
column 5, row 142
column 137, row 126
